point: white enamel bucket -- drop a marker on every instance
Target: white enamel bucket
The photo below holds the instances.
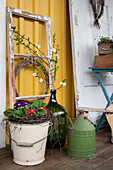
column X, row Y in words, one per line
column 29, row 143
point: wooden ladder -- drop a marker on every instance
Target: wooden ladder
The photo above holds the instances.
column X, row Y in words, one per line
column 11, row 56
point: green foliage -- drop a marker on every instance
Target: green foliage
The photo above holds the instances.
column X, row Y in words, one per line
column 22, row 40
column 105, row 40
column 41, row 112
column 38, row 103
column 35, row 109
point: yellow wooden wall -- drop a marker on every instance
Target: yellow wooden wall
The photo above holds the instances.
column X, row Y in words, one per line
column 58, row 11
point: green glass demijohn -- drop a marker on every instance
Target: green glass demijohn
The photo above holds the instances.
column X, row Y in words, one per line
column 57, row 131
column 81, row 138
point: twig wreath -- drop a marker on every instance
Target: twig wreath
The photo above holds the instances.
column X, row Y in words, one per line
column 31, row 60
column 98, row 9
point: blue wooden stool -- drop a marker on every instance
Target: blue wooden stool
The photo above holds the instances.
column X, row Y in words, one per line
column 98, row 70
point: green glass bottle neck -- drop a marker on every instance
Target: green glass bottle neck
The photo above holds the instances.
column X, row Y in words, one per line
column 53, row 97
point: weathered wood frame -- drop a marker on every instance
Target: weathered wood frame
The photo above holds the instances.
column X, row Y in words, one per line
column 29, row 15
column 2, row 71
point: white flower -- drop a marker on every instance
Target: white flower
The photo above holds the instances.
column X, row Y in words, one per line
column 53, row 66
column 34, row 74
column 41, row 80
column 61, row 83
column 51, row 69
column 57, row 56
column 54, row 50
column 64, row 84
column 29, row 53
column 38, row 45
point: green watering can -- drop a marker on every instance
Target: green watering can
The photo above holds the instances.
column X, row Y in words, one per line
column 81, row 138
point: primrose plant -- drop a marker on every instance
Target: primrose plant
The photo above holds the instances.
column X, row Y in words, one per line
column 35, row 51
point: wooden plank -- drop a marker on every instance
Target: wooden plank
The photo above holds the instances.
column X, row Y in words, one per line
column 28, row 55
column 53, row 160
column 67, row 164
column 109, row 118
column 33, row 97
column 103, row 147
column 110, row 107
column 87, row 109
column 110, row 121
column 101, row 68
column 21, row 75
column 89, row 164
column 5, row 152
column 12, row 166
column 10, row 58
column 103, row 60
column 3, row 71
column 49, row 153
column 6, row 155
column 29, row 15
column 49, row 48
column 108, row 165
column 96, row 161
column 6, row 161
column 73, row 162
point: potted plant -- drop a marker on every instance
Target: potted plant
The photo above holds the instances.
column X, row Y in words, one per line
column 29, row 122
column 105, row 45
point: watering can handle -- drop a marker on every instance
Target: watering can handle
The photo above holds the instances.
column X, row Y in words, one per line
column 70, row 120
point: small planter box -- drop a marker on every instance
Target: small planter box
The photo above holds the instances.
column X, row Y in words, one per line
column 103, row 60
column 105, row 48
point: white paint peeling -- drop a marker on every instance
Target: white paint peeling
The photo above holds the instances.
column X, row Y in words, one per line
column 10, row 14
column 10, row 33
column 39, row 17
column 49, row 33
column 32, row 16
column 18, row 10
column 45, row 18
column 9, row 9
column 2, row 70
column 12, row 55
column 10, row 25
column 49, row 21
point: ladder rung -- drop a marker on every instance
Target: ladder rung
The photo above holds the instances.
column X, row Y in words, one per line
column 29, row 55
column 33, row 97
